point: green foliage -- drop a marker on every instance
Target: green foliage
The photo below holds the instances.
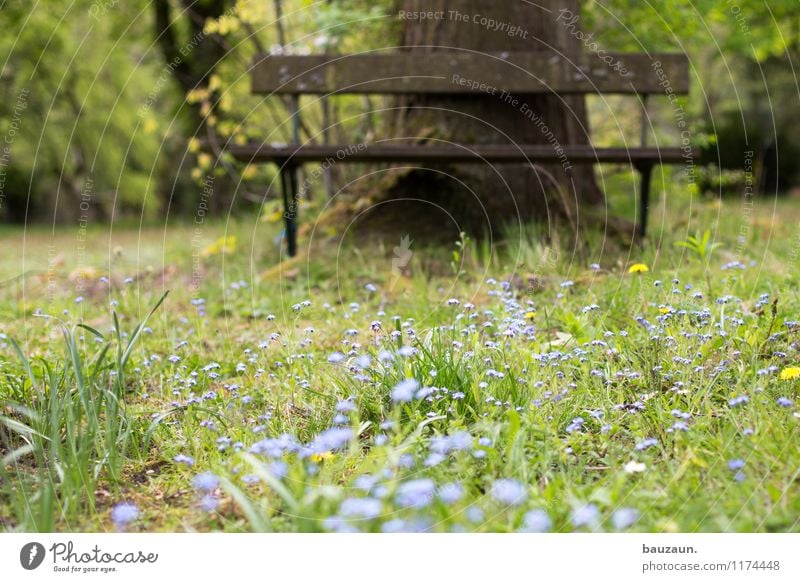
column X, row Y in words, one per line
column 84, row 82
column 70, row 418
column 744, row 28
column 700, row 246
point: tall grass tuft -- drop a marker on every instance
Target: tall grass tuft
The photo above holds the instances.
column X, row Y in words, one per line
column 66, row 427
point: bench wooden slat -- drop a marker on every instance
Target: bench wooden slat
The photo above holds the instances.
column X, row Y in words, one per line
column 459, row 72
column 577, row 154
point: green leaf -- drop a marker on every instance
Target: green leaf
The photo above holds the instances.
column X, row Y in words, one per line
column 91, row 330
column 258, row 521
column 25, row 364
column 137, row 331
column 21, row 428
column 261, row 471
column 514, row 424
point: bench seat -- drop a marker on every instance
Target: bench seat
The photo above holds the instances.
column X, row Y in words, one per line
column 376, row 153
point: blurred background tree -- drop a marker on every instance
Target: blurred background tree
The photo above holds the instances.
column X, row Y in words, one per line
column 71, row 88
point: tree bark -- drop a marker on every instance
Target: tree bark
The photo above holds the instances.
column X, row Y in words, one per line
column 482, row 197
column 192, row 57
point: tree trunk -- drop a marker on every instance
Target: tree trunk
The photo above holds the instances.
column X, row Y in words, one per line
column 482, row 198
column 192, row 56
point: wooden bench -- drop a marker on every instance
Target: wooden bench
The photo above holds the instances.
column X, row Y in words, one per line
column 409, row 73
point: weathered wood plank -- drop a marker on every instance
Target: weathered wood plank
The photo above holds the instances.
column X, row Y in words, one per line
column 254, row 153
column 451, row 72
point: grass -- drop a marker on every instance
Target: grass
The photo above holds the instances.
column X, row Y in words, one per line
column 554, row 395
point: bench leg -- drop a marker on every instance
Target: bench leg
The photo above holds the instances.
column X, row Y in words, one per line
column 289, row 187
column 645, row 171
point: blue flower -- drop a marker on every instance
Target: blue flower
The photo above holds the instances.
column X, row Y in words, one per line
column 405, row 390
column 278, row 469
column 536, row 521
column 336, row 358
column 679, row 426
column 624, row 517
column 209, row 503
column 205, row 482
column 275, row 447
column 345, row 406
column 185, row 459
column 451, row 493
column 124, row 513
column 417, row 493
column 406, row 461
column 737, row 401
column 434, row 459
column 646, row 444
column 364, row 508
column 735, row 464
column 458, row 441
column 509, row 492
column 339, row 525
column 575, row 425
column 365, row 482
column 585, row 515
column 403, row 526
column 407, row 351
column 424, row 393
column 475, row 514
column 330, row 440
column 362, row 362
column 785, row 402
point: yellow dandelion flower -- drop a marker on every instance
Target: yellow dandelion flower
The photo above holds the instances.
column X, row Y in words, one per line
column 639, row 268
column 664, row 310
column 790, row 373
column 319, row 457
column 530, row 316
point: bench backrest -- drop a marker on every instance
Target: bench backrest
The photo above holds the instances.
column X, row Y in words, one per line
column 470, row 73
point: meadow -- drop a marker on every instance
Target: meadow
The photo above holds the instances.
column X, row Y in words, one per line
column 178, row 380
